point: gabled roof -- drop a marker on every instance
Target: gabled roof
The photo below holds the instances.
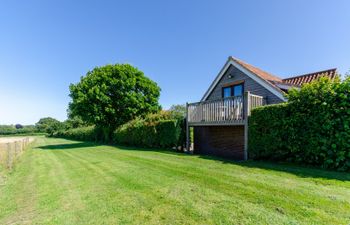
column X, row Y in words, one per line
column 307, row 78
column 268, row 77
column 263, row 74
column 261, row 77
column 274, row 84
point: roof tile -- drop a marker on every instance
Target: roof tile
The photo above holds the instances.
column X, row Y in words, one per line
column 307, row 78
column 294, row 81
column 263, row 74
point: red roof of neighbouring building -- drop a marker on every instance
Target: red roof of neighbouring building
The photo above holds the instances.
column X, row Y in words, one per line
column 290, row 81
column 307, row 78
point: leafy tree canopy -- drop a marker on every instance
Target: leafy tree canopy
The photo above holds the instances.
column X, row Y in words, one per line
column 19, row 126
column 74, row 122
column 49, row 125
column 178, row 111
column 112, row 95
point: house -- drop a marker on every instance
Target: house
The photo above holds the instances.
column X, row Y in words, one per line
column 219, row 120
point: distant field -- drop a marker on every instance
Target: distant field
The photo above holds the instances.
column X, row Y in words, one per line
column 4, row 140
column 67, row 182
column 21, row 135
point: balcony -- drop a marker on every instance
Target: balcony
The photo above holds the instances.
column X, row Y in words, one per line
column 226, row 111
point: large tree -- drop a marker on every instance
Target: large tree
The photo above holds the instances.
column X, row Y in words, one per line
column 111, row 95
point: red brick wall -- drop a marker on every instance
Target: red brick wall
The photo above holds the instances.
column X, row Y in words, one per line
column 225, row 141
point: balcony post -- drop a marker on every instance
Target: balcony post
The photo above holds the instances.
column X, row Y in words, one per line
column 246, row 106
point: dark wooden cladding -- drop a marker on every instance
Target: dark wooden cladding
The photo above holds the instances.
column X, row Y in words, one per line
column 224, row 141
column 249, row 85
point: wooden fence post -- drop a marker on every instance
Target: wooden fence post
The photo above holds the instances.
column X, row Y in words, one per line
column 9, row 156
column 246, row 115
column 16, row 149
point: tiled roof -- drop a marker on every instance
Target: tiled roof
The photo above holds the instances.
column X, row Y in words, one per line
column 291, row 81
column 269, row 78
column 307, row 78
column 264, row 75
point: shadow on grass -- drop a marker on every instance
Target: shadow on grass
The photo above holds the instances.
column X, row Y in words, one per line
column 72, row 146
column 300, row 171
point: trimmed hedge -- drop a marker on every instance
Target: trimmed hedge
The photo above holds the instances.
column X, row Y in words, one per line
column 312, row 128
column 160, row 130
column 267, row 132
column 142, row 133
column 80, row 134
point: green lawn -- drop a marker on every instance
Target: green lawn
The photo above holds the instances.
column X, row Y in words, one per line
column 67, row 182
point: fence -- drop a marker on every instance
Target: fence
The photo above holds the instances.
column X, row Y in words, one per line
column 255, row 101
column 223, row 111
column 219, row 111
column 11, row 150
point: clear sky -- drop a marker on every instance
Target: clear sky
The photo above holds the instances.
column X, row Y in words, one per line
column 182, row 45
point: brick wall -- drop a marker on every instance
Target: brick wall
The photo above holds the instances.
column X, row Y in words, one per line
column 225, row 141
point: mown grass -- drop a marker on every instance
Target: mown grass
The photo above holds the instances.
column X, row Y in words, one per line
column 67, row 182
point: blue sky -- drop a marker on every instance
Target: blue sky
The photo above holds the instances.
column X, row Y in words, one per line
column 182, row 45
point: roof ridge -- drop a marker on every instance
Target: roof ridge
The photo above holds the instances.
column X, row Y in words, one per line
column 247, row 65
column 312, row 73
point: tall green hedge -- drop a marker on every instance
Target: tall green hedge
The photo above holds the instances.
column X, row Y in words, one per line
column 80, row 134
column 161, row 130
column 139, row 132
column 312, row 128
column 267, row 132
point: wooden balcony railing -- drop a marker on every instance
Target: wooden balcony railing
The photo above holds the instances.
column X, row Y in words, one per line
column 254, row 101
column 226, row 111
column 216, row 111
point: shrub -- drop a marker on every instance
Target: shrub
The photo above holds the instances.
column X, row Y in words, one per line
column 81, row 134
column 49, row 125
column 267, row 139
column 156, row 130
column 312, row 128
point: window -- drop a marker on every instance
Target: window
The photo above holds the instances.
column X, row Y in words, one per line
column 226, row 92
column 234, row 90
column 238, row 90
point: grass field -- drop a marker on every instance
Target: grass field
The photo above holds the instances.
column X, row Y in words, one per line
column 67, row 182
